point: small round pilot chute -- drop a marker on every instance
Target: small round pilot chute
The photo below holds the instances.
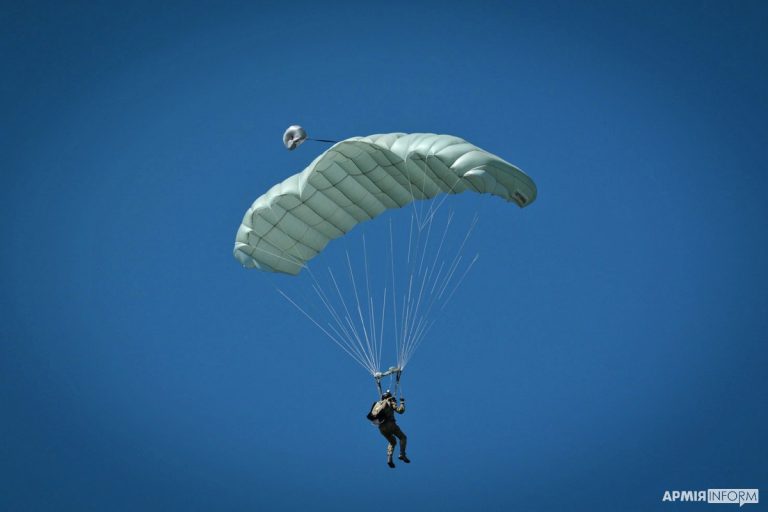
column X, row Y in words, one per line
column 294, row 136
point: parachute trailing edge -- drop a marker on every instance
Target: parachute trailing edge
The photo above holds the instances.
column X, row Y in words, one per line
column 356, row 180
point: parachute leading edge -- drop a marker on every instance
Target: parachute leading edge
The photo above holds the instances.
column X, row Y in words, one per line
column 358, row 179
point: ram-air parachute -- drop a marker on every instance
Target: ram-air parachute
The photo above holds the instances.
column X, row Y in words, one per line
column 356, row 180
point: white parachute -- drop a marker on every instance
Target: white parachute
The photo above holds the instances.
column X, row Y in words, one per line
column 358, row 179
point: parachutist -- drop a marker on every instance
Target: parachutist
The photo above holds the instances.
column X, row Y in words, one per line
column 383, row 414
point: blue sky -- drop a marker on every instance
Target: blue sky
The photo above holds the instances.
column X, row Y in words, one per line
column 609, row 345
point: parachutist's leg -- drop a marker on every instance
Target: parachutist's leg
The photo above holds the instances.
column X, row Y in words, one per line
column 391, row 450
column 386, row 431
column 392, row 443
column 403, row 440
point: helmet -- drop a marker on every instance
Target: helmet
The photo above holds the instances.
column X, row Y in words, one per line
column 386, row 395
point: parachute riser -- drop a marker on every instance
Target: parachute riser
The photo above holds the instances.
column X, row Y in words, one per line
column 397, row 372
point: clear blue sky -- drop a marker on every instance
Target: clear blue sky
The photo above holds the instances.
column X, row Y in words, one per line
column 610, row 344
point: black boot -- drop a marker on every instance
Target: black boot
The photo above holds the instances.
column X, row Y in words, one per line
column 389, row 461
column 403, row 458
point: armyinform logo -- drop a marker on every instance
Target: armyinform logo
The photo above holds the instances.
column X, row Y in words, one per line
column 740, row 496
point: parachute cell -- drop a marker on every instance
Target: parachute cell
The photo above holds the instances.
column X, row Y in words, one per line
column 358, row 179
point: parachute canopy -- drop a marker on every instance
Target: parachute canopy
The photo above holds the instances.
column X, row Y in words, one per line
column 356, row 180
